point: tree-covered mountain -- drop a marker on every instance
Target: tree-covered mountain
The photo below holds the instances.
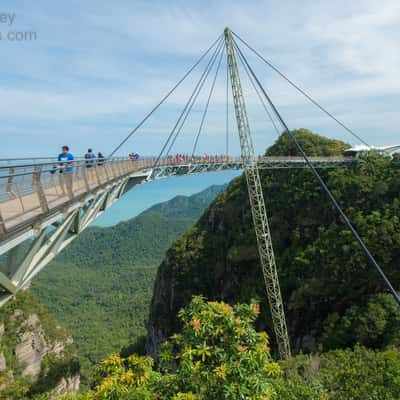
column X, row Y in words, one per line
column 188, row 206
column 100, row 286
column 333, row 297
column 314, row 145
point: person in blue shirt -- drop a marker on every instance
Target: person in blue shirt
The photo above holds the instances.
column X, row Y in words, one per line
column 66, row 160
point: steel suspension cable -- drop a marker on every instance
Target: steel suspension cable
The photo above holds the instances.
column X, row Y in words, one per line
column 227, row 110
column 258, row 92
column 194, row 93
column 303, row 92
column 208, row 102
column 140, row 124
column 322, row 183
column 194, row 99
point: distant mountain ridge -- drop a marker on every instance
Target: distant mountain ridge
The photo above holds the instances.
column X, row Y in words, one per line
column 188, row 206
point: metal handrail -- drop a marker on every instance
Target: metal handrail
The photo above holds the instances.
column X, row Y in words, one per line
column 194, row 159
column 36, row 189
column 56, row 161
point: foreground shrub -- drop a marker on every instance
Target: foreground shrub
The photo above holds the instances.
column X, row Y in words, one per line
column 218, row 355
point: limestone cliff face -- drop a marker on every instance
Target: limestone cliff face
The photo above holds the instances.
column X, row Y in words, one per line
column 35, row 352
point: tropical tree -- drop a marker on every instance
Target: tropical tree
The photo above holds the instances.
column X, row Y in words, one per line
column 217, row 355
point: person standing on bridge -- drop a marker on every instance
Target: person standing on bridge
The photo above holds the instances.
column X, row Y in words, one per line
column 100, row 159
column 89, row 157
column 66, row 160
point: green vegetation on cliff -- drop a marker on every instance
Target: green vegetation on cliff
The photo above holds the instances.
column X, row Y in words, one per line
column 314, row 145
column 333, row 297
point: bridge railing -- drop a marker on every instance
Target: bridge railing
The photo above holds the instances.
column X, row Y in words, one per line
column 30, row 187
column 33, row 186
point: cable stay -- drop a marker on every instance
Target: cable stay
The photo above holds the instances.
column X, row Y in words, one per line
column 194, row 100
column 227, row 112
column 207, row 104
column 189, row 104
column 303, row 92
column 140, row 124
column 262, row 101
column 322, row 183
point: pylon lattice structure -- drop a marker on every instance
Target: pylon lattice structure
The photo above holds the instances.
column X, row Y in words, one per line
column 257, row 203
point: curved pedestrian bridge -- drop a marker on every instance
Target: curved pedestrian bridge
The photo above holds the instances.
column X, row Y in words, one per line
column 43, row 207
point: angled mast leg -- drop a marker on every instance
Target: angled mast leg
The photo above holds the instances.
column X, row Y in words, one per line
column 257, row 203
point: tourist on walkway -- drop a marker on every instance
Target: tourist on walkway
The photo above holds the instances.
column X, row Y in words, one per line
column 66, row 160
column 100, row 159
column 90, row 157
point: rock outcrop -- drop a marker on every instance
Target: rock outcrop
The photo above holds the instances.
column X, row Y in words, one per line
column 3, row 365
column 35, row 352
column 68, row 385
column 31, row 347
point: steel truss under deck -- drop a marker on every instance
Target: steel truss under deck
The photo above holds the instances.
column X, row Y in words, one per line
column 30, row 249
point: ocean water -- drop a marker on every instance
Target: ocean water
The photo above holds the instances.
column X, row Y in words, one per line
column 145, row 195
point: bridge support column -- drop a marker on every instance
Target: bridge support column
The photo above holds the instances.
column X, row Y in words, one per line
column 3, row 229
column 106, row 172
column 35, row 247
column 37, row 185
column 85, row 179
column 7, row 284
column 113, row 170
column 10, row 181
column 118, row 169
column 97, row 172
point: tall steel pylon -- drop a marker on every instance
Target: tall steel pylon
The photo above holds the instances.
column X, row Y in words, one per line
column 257, row 204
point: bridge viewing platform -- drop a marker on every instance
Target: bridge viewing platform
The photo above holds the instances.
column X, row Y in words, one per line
column 32, row 188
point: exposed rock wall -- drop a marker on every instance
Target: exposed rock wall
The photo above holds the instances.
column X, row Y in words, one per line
column 31, row 347
column 35, row 352
column 68, row 385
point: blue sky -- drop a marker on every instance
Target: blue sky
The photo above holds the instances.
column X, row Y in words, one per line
column 96, row 67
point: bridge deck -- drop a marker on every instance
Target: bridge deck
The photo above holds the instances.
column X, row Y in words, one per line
column 29, row 192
